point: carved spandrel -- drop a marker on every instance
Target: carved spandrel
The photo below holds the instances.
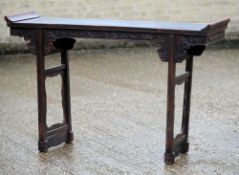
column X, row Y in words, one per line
column 162, row 43
column 29, row 35
column 185, row 43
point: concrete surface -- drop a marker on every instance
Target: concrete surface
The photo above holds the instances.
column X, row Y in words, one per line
column 118, row 109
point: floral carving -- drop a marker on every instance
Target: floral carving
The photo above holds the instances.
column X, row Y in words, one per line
column 28, row 35
column 162, row 43
column 53, row 35
column 184, row 43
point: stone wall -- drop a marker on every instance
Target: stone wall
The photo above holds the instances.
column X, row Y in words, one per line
column 162, row 10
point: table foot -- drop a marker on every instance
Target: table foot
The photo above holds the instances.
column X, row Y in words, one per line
column 42, row 146
column 169, row 159
column 70, row 137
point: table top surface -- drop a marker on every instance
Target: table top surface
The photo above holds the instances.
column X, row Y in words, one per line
column 114, row 23
column 33, row 20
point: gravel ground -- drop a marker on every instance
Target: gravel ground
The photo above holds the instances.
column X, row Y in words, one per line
column 118, row 112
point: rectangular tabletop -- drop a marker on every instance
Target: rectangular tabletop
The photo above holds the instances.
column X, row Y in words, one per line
column 33, row 20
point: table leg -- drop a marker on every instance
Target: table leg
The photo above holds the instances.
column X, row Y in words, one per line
column 66, row 99
column 169, row 155
column 179, row 144
column 58, row 132
column 41, row 93
column 186, row 103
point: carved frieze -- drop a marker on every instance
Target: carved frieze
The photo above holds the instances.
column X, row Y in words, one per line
column 53, row 35
column 159, row 41
column 182, row 42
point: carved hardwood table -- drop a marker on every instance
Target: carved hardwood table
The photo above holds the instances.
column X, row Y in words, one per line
column 176, row 42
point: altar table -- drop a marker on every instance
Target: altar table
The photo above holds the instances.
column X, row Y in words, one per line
column 175, row 43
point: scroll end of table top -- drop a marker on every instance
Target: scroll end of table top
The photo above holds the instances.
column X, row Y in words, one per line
column 218, row 25
column 20, row 17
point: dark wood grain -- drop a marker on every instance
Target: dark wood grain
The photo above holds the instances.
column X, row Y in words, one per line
column 169, row 154
column 41, row 93
column 187, row 99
